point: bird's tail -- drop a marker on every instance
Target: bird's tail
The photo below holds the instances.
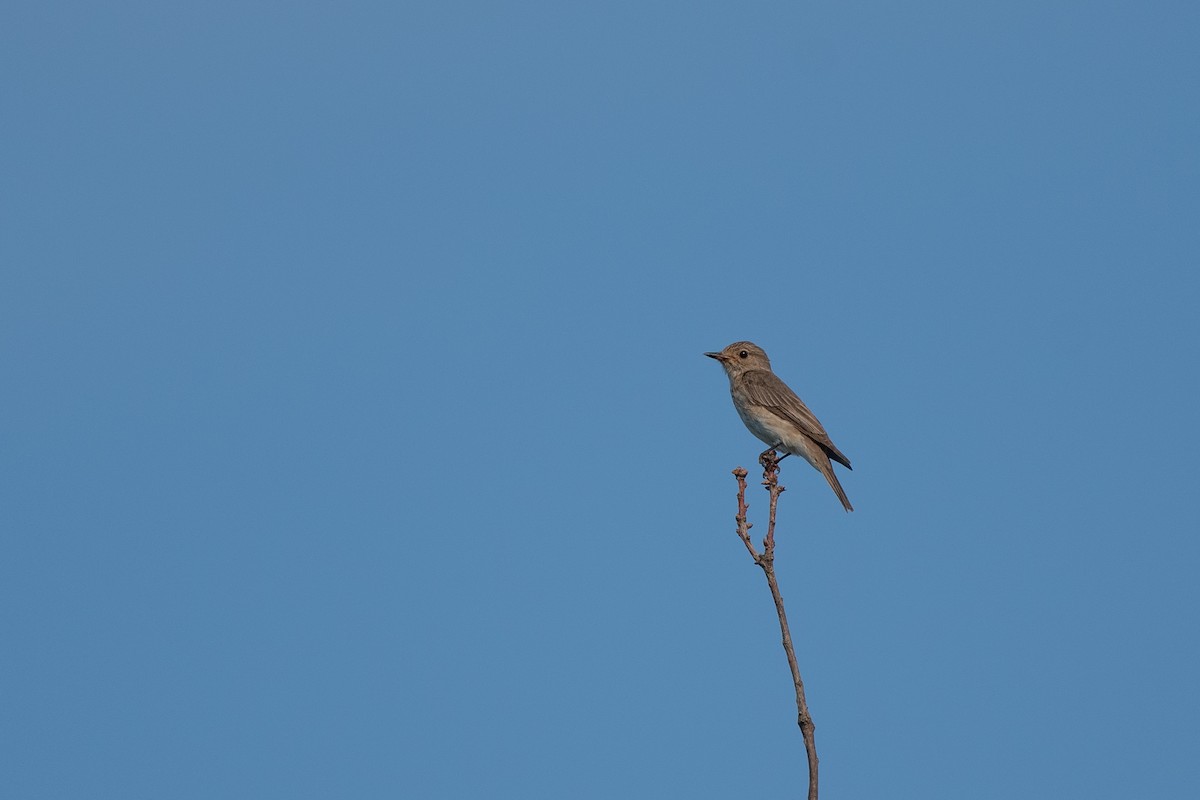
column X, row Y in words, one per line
column 836, row 486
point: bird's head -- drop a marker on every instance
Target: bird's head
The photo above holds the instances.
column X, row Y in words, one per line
column 742, row 356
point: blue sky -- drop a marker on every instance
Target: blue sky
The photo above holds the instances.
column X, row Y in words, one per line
column 358, row 442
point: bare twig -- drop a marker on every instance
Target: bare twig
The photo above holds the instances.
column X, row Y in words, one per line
column 766, row 560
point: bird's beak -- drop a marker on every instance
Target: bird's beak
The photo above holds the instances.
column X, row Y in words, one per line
column 718, row 356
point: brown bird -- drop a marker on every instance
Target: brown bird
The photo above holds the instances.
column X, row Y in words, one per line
column 774, row 413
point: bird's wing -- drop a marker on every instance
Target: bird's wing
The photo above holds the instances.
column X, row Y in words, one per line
column 765, row 389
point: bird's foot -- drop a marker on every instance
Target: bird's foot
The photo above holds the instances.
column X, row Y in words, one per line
column 769, row 459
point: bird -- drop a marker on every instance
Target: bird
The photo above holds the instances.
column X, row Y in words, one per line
column 776, row 415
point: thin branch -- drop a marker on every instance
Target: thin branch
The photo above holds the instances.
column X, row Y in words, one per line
column 766, row 560
column 743, row 527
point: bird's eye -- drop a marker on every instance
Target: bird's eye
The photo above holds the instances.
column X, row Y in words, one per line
column 743, row 354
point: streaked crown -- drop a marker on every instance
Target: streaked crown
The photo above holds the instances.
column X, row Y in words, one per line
column 741, row 356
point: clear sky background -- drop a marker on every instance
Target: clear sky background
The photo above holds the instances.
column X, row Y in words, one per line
column 357, row 440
